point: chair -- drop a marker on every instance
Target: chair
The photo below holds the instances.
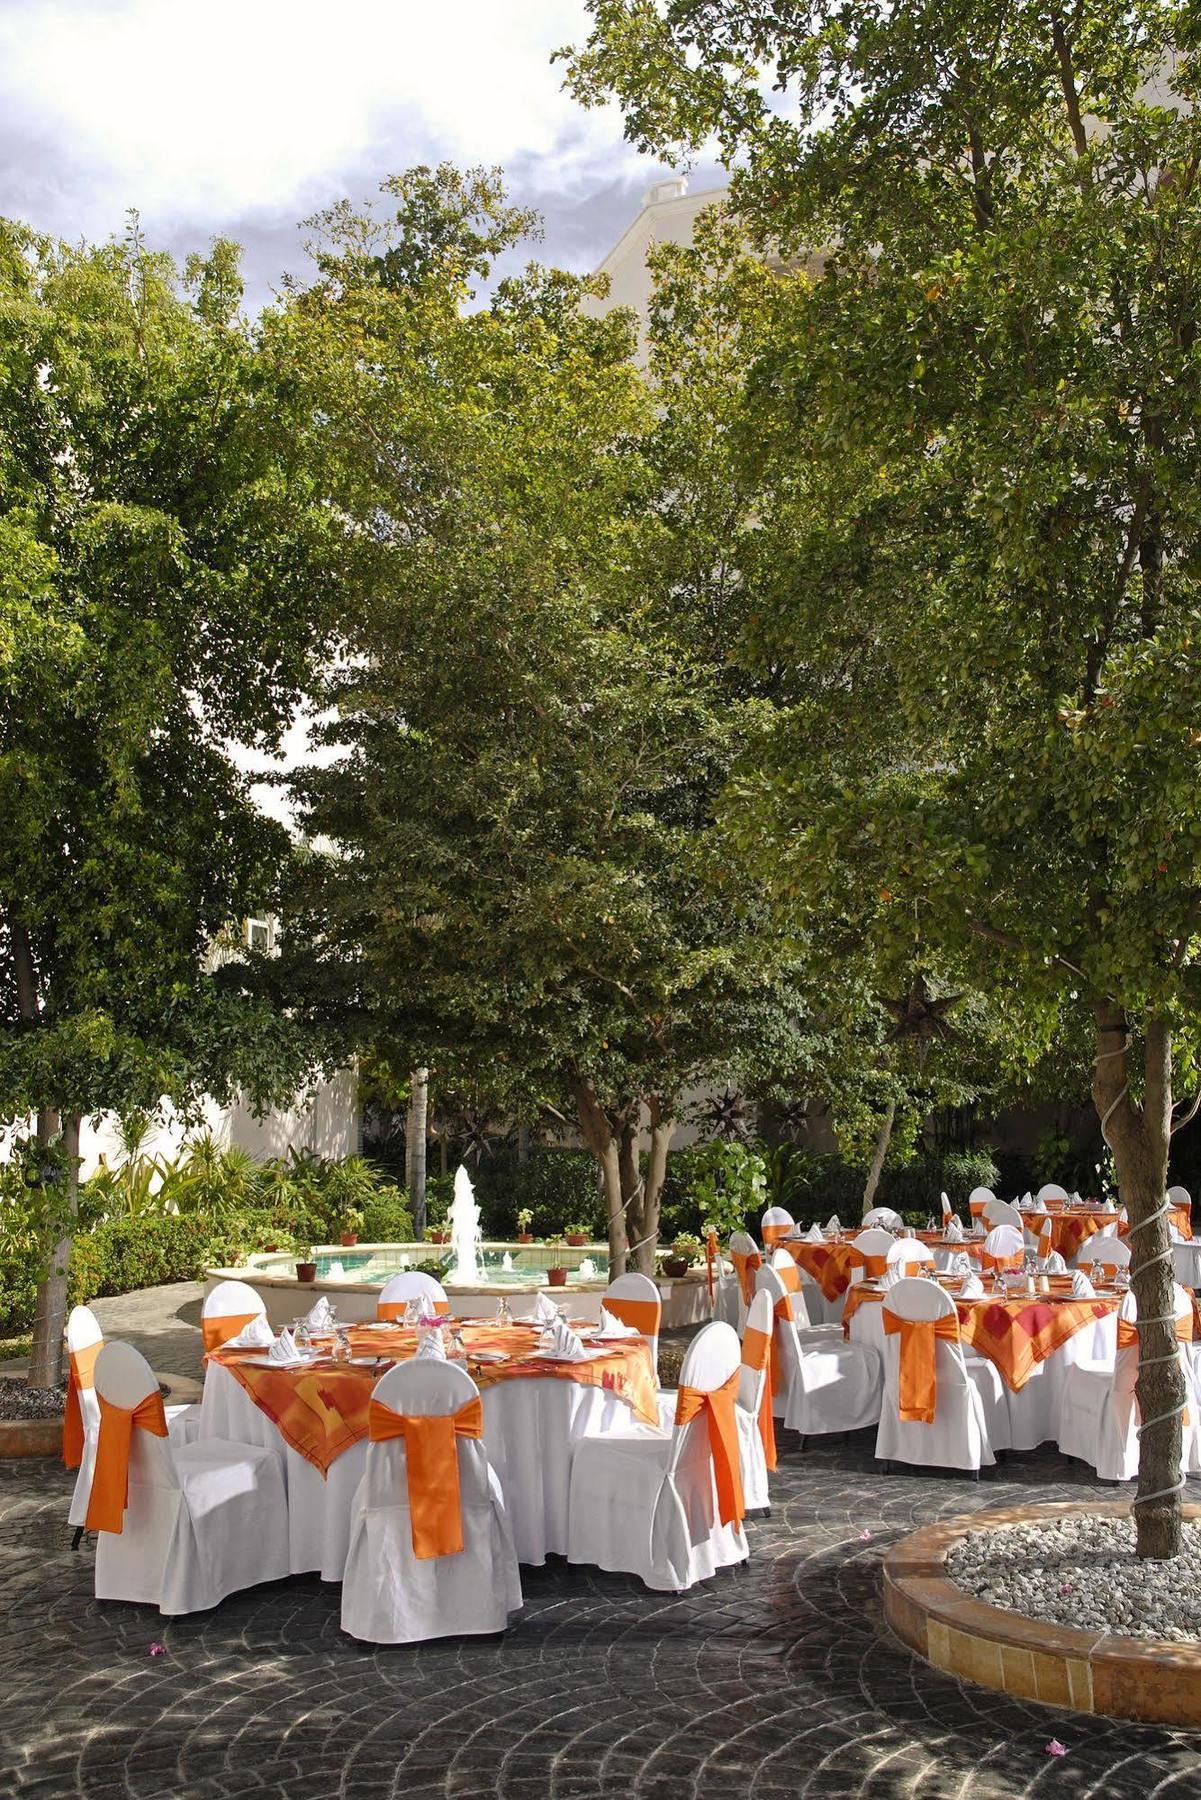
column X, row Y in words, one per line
column 1002, row 1212
column 1099, row 1420
column 776, row 1223
column 200, row 1520
column 81, row 1420
column 882, row 1215
column 1110, row 1255
column 756, row 1426
column 909, row 1252
column 977, row 1200
column 1051, row 1190
column 668, row 1508
column 431, row 1549
column 932, row 1414
column 820, row 1383
column 227, row 1308
column 636, row 1301
column 746, row 1258
column 410, row 1284
column 1003, row 1250
column 1180, row 1196
column 869, row 1253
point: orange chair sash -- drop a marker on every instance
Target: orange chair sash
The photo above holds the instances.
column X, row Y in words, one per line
column 1003, row 1264
column 710, row 1262
column 873, row 1266
column 79, row 1379
column 745, row 1264
column 756, row 1354
column 1128, row 1332
column 395, row 1309
column 976, row 1208
column 917, row 1388
column 775, row 1234
column 718, row 1407
column 432, row 1461
column 110, row 1481
column 220, row 1327
column 640, row 1315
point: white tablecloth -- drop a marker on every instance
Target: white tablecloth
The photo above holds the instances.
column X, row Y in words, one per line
column 529, row 1426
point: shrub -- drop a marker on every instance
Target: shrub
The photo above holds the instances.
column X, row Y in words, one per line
column 387, row 1218
column 551, row 1184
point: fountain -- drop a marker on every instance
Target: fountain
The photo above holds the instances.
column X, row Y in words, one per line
column 506, row 1263
column 587, row 1270
column 467, row 1267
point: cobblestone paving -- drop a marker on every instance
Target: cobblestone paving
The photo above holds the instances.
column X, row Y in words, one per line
column 775, row 1680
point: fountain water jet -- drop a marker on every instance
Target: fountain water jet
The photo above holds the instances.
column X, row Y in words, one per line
column 467, row 1267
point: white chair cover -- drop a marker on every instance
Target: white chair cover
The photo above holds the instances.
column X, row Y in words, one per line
column 882, row 1215
column 826, row 1384
column 1004, row 1240
column 908, row 1251
column 204, row 1520
column 1001, row 1212
column 643, row 1292
column 875, row 1241
column 980, row 1196
column 741, row 1244
column 232, row 1299
column 183, row 1422
column 1051, row 1190
column 647, row 1505
column 411, row 1284
column 751, row 1455
column 389, row 1594
column 958, row 1437
column 1098, row 1420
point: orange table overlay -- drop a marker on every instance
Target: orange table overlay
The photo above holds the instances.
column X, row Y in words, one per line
column 321, row 1410
column 1016, row 1334
column 829, row 1265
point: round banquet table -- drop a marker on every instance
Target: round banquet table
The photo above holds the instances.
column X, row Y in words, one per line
column 532, row 1416
column 1031, row 1342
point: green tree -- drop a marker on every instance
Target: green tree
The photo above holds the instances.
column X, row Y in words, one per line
column 526, row 892
column 166, row 569
column 983, row 419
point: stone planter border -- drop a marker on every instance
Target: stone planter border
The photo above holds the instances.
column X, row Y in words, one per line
column 1089, row 1671
column 44, row 1437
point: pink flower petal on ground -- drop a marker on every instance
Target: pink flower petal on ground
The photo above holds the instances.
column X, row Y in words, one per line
column 865, row 1537
column 157, row 1649
column 1066, row 1587
column 1055, row 1748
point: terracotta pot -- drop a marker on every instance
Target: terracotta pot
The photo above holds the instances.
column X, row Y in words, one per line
column 270, row 1247
column 306, row 1271
column 525, row 1237
column 557, row 1277
column 576, row 1238
column 349, row 1239
column 676, row 1267
column 439, row 1237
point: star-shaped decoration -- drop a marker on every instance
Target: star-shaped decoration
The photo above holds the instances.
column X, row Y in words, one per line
column 727, row 1116
column 918, row 1015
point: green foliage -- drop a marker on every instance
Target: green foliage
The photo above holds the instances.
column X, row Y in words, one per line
column 724, row 1185
column 387, row 1218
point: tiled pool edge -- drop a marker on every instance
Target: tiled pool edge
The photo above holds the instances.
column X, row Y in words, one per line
column 1086, row 1671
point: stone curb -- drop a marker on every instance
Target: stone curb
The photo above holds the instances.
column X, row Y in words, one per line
column 1032, row 1659
column 44, row 1437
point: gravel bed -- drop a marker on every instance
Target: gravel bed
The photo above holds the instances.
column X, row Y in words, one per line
column 20, row 1401
column 1083, row 1572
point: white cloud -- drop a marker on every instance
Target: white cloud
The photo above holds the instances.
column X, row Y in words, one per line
column 207, row 109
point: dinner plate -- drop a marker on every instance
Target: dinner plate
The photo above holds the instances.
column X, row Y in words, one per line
column 274, row 1362
column 555, row 1356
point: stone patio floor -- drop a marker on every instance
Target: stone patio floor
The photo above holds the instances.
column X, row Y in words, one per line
column 779, row 1679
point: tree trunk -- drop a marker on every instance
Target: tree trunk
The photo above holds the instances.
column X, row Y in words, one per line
column 50, row 1315
column 643, row 1216
column 415, row 1134
column 603, row 1143
column 1139, row 1138
column 883, row 1138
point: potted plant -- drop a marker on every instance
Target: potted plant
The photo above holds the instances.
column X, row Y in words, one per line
column 306, row 1270
column 525, row 1219
column 352, row 1219
column 576, row 1234
column 684, row 1252
column 556, row 1274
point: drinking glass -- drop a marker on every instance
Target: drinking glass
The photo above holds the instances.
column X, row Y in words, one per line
column 412, row 1311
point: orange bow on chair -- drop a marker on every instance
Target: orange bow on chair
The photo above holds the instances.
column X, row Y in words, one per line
column 640, row 1315
column 775, row 1234
column 1128, row 1340
column 873, row 1266
column 756, row 1354
column 110, row 1482
column 79, row 1379
column 1004, row 1265
column 917, row 1388
column 395, row 1309
column 710, row 1260
column 435, row 1506
column 718, row 1405
column 218, row 1329
column 745, row 1264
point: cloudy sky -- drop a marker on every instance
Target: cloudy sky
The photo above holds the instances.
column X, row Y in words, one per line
column 244, row 116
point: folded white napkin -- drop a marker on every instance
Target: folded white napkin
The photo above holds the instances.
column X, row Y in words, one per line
column 1082, row 1287
column 565, row 1342
column 319, row 1317
column 815, row 1235
column 961, row 1264
column 545, row 1311
column 1053, row 1264
column 972, row 1289
column 430, row 1343
column 283, row 1348
column 1025, row 1203
column 612, row 1327
column 953, row 1232
column 255, row 1336
column 834, row 1223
